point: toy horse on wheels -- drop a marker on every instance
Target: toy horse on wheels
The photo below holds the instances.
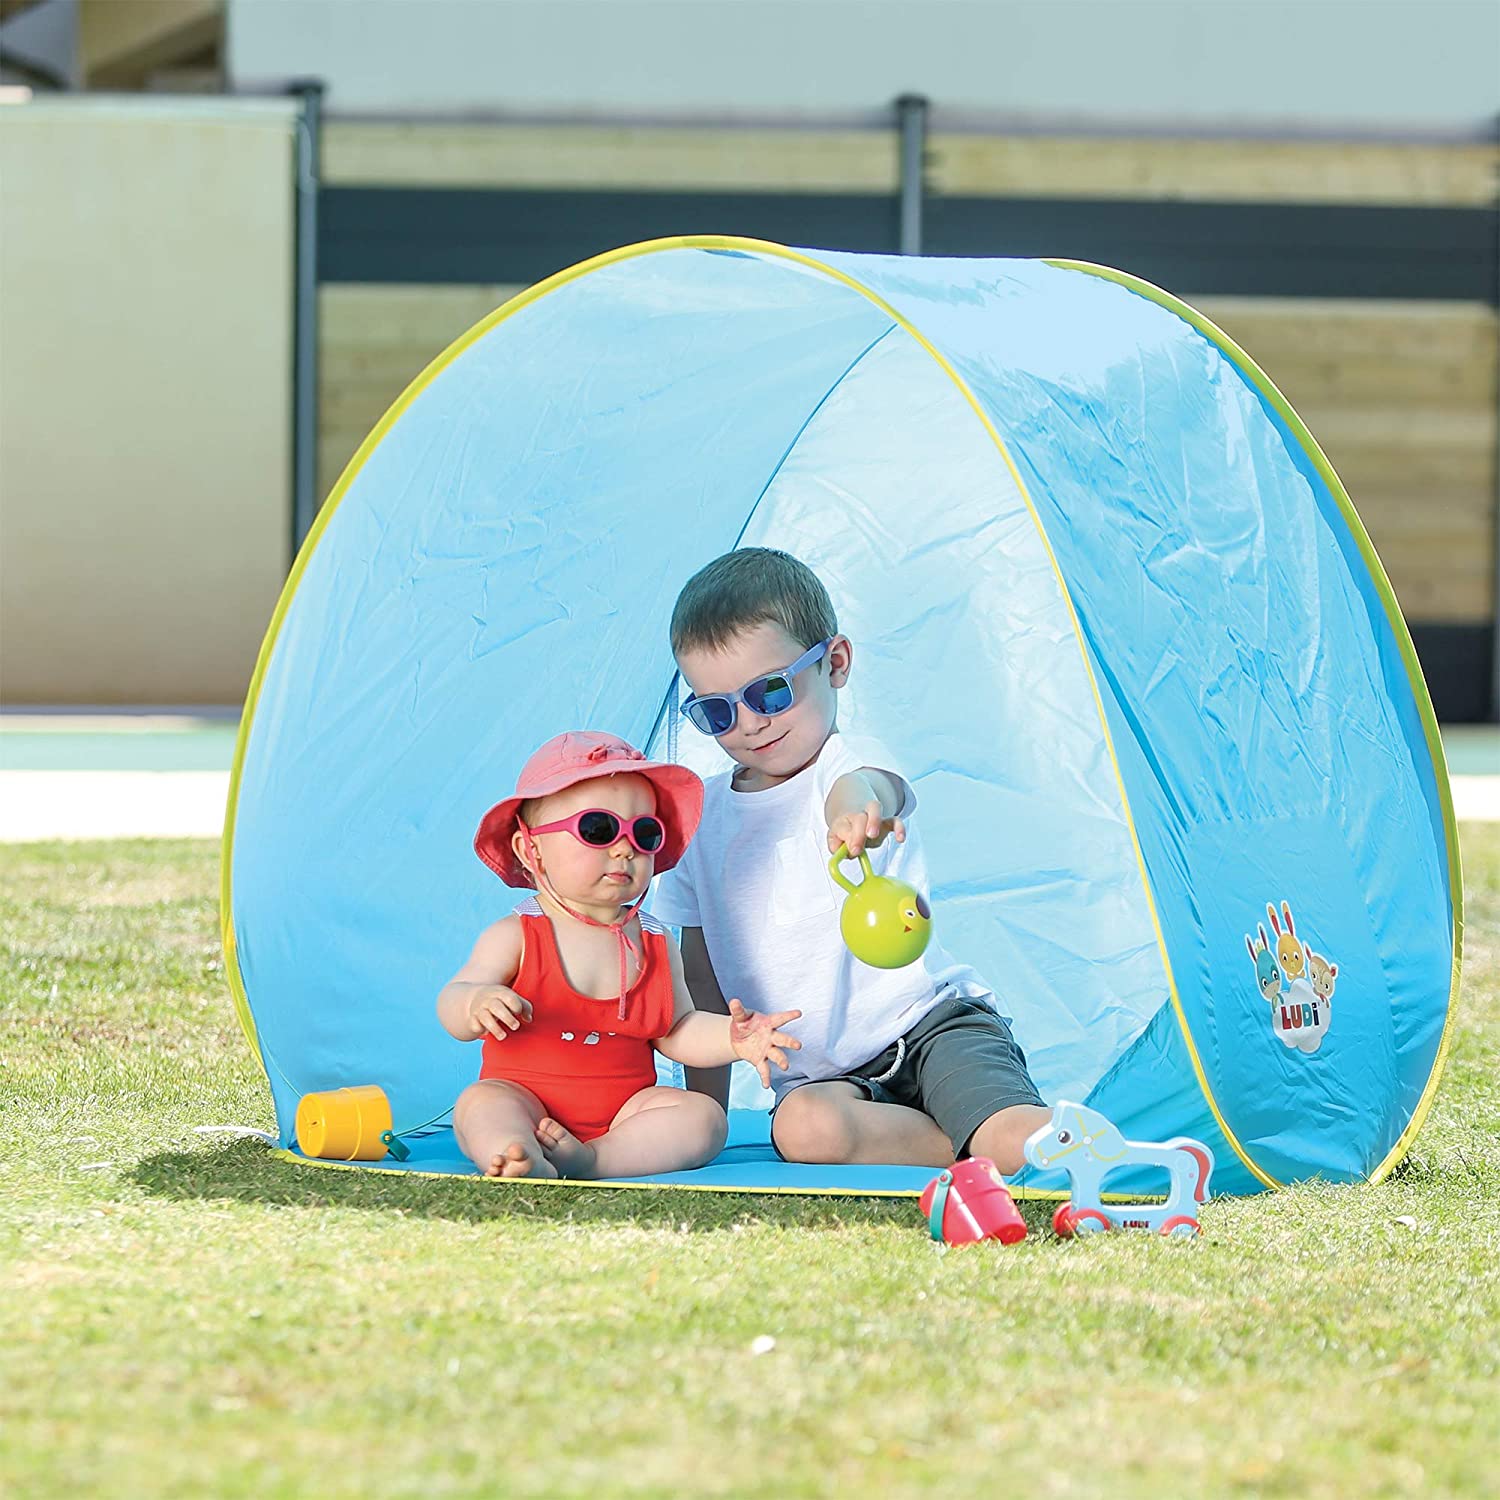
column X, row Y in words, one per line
column 1088, row 1148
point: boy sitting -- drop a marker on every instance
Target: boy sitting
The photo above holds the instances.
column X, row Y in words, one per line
column 912, row 1066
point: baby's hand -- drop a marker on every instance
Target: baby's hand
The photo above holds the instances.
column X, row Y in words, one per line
column 755, row 1038
column 863, row 828
column 498, row 1010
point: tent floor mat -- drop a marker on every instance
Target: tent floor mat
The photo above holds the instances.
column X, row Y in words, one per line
column 747, row 1164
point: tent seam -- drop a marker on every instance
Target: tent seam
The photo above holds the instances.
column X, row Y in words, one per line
column 669, row 695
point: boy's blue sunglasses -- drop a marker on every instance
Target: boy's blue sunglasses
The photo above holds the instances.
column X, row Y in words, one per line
column 715, row 713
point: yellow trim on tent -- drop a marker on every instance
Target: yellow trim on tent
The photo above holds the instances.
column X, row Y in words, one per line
column 782, row 252
column 1387, row 596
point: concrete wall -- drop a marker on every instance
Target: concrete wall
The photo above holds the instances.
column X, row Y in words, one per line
column 1389, row 65
column 145, row 397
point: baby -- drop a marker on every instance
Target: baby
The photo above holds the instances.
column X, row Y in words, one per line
column 572, row 991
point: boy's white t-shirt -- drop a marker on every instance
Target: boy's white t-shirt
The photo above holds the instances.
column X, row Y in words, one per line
column 755, row 879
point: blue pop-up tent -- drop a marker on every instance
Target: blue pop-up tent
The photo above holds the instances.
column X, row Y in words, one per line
column 1114, row 614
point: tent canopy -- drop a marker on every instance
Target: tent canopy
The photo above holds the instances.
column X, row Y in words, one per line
column 1113, row 614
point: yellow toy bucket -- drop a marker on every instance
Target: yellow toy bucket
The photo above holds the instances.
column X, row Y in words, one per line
column 344, row 1124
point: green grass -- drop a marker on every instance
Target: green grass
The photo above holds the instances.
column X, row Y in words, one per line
column 180, row 1316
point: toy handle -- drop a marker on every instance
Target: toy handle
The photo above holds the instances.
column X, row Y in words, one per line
column 939, row 1205
column 838, row 859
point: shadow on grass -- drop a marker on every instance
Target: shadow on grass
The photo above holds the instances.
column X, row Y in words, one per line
column 245, row 1171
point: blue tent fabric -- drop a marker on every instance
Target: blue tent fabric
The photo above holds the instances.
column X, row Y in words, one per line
column 1111, row 612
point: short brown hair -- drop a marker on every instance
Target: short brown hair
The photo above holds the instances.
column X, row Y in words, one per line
column 754, row 586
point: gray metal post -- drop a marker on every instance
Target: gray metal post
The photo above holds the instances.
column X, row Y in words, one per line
column 305, row 313
column 911, row 117
column 1495, row 599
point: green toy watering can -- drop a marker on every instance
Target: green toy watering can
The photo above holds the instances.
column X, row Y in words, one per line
column 886, row 923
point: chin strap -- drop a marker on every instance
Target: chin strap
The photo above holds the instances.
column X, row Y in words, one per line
column 628, row 948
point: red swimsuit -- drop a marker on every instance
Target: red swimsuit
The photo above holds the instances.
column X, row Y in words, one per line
column 576, row 1054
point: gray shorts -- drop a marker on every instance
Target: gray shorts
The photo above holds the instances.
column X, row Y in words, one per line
column 958, row 1064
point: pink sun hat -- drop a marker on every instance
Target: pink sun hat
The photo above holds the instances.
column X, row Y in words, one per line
column 582, row 755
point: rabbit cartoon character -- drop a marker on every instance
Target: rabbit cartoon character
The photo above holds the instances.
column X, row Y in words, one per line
column 1267, row 975
column 1289, row 951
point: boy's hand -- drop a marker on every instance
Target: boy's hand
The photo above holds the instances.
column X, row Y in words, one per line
column 498, row 1010
column 755, row 1038
column 864, row 828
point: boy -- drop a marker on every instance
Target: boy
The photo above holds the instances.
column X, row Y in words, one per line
column 911, row 1065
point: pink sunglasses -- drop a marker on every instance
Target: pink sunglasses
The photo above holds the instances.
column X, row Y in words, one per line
column 599, row 828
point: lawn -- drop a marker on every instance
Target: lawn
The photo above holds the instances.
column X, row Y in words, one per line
column 182, row 1315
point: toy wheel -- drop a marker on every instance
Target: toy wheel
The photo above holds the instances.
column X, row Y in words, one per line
column 1182, row 1225
column 1090, row 1221
column 1062, row 1221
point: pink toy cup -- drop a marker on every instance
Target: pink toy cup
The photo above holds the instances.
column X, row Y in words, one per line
column 968, row 1202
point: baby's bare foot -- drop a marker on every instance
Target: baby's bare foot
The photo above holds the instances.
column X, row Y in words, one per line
column 570, row 1156
column 514, row 1161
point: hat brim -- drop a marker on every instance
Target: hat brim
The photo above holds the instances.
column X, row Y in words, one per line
column 679, row 805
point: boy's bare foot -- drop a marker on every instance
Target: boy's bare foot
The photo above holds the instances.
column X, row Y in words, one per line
column 570, row 1156
column 514, row 1162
